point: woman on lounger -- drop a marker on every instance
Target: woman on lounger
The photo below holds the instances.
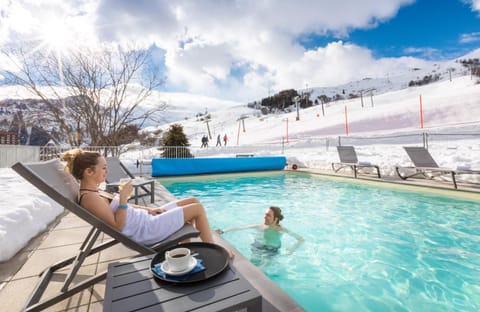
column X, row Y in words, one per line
column 142, row 224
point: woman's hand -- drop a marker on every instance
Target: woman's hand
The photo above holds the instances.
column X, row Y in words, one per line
column 125, row 192
column 156, row 211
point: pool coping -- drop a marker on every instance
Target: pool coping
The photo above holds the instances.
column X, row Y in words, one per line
column 466, row 191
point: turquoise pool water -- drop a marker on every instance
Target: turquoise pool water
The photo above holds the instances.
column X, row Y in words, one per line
column 366, row 248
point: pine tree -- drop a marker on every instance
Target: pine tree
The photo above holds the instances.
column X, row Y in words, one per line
column 175, row 143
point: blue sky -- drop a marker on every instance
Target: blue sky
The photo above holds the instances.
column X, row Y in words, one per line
column 433, row 27
column 429, row 29
column 243, row 50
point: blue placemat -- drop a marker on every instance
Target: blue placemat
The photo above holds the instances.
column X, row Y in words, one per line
column 158, row 270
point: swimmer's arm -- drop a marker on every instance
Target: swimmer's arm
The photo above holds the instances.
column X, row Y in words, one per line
column 297, row 244
column 220, row 231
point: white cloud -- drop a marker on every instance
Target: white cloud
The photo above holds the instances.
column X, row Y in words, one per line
column 471, row 37
column 235, row 49
column 423, row 52
column 198, row 65
column 475, row 4
column 339, row 63
column 205, row 40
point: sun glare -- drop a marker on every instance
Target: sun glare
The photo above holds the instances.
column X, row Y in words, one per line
column 56, row 36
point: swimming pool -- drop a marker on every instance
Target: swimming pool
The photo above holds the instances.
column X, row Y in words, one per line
column 366, row 248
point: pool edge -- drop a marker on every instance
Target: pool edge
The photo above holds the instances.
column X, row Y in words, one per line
column 436, row 188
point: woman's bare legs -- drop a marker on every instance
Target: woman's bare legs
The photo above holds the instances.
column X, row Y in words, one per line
column 187, row 201
column 195, row 212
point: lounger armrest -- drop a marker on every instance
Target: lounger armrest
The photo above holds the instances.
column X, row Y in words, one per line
column 365, row 163
column 467, row 171
column 435, row 169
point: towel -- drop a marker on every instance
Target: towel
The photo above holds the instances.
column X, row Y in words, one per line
column 198, row 268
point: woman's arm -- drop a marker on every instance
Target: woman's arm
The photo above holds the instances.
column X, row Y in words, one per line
column 97, row 204
column 219, row 231
column 297, row 244
column 151, row 210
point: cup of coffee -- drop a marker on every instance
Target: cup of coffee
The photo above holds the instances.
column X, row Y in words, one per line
column 178, row 259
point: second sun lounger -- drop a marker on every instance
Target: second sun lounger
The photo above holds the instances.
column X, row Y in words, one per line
column 348, row 159
column 425, row 166
column 117, row 170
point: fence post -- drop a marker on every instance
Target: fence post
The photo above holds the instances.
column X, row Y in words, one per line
column 421, row 112
column 140, row 163
column 425, row 140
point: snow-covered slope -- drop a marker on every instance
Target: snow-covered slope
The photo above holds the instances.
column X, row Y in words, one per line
column 445, row 103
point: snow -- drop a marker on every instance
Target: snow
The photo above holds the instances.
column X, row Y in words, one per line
column 378, row 133
column 25, row 212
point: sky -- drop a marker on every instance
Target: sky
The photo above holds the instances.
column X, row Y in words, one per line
column 448, row 107
column 245, row 50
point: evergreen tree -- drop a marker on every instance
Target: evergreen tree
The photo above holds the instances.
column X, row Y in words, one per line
column 175, row 143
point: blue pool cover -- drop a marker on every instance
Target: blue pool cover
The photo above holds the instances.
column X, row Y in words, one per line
column 163, row 167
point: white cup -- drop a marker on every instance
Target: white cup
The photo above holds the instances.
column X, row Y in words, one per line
column 178, row 259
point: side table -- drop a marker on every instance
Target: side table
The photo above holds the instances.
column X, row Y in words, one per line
column 130, row 286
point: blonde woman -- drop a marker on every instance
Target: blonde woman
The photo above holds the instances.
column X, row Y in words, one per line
column 142, row 224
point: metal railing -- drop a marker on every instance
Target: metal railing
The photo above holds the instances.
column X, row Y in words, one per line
column 51, row 152
column 425, row 139
column 10, row 154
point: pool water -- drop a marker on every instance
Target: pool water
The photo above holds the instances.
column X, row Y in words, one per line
column 366, row 248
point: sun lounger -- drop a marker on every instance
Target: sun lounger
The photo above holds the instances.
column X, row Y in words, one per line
column 425, row 166
column 117, row 170
column 51, row 179
column 348, row 159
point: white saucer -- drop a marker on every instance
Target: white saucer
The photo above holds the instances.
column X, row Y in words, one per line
column 191, row 265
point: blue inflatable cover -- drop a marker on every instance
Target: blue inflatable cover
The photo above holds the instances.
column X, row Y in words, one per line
column 163, row 167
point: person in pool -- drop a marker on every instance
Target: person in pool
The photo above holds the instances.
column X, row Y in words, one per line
column 142, row 224
column 268, row 238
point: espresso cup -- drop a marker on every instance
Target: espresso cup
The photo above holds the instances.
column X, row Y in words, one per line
column 178, row 259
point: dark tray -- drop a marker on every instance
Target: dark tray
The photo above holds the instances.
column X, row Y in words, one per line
column 215, row 261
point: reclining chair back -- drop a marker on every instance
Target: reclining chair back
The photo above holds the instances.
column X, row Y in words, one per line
column 347, row 154
column 420, row 157
column 116, row 170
